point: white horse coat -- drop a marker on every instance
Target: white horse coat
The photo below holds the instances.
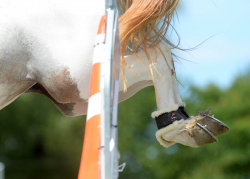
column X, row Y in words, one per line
column 46, row 46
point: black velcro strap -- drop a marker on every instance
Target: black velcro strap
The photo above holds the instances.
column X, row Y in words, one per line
column 168, row 118
column 163, row 120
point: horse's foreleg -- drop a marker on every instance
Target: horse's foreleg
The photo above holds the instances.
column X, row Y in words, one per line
column 174, row 124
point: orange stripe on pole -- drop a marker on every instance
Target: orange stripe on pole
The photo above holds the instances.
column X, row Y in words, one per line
column 102, row 25
column 90, row 167
column 95, row 79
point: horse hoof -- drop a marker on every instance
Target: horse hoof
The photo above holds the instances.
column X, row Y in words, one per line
column 196, row 135
column 186, row 132
column 213, row 125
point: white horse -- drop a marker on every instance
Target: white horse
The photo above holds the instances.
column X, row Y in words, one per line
column 46, row 46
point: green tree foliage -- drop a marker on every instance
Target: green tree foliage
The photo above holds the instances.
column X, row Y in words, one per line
column 37, row 141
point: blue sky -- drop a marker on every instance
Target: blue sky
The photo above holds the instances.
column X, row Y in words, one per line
column 224, row 56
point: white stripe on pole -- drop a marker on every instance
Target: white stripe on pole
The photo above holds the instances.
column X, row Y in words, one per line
column 100, row 38
column 94, row 107
column 101, row 54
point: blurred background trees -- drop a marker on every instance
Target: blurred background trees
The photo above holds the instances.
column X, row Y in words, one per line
column 37, row 141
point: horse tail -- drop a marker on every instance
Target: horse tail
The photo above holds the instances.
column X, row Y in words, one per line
column 144, row 23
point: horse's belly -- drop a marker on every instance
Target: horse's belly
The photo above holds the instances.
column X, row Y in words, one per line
column 60, row 34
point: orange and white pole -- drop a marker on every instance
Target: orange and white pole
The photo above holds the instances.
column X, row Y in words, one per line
column 100, row 149
column 90, row 167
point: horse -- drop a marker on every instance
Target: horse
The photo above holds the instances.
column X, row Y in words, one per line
column 46, row 47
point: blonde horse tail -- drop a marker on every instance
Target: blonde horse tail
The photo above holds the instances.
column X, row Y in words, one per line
column 144, row 23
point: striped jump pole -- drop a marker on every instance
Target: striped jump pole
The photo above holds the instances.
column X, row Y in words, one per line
column 90, row 167
column 100, row 148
